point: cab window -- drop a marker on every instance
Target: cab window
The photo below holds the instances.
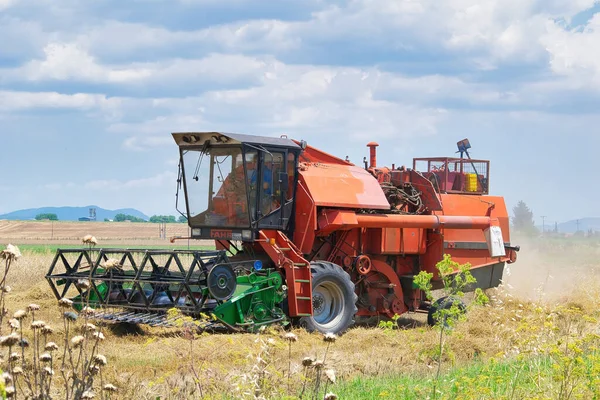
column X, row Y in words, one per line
column 270, row 191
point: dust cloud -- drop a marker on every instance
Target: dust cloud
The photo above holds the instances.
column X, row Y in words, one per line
column 552, row 270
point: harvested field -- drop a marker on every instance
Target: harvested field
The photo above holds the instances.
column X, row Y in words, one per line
column 503, row 350
column 107, row 233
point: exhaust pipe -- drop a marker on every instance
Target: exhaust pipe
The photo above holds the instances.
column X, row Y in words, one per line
column 373, row 156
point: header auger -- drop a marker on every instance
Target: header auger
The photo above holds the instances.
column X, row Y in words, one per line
column 301, row 236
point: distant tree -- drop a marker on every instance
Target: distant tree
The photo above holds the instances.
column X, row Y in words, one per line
column 49, row 216
column 127, row 217
column 163, row 218
column 523, row 219
column 182, row 219
column 106, row 220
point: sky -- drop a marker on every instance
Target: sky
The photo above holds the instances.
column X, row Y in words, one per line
column 90, row 91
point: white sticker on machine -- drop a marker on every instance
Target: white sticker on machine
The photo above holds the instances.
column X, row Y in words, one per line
column 495, row 241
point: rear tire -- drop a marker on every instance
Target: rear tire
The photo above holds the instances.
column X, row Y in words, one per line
column 444, row 303
column 334, row 300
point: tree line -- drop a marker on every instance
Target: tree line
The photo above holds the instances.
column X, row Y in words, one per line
column 155, row 219
column 171, row 219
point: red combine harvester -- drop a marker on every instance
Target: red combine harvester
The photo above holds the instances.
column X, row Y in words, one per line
column 307, row 236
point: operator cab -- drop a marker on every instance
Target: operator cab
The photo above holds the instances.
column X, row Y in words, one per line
column 235, row 185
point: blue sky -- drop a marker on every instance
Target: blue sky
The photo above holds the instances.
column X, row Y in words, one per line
column 90, row 91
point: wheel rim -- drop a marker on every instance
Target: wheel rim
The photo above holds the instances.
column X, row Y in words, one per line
column 328, row 304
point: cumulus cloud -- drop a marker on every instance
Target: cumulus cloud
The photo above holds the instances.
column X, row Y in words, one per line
column 148, row 183
column 18, row 100
column 4, row 4
column 137, row 143
column 572, row 51
column 71, row 62
column 299, row 99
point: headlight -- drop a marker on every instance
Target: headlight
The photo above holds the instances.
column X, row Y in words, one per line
column 196, row 232
column 246, row 235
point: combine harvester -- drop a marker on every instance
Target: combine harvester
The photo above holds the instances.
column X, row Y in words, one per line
column 301, row 236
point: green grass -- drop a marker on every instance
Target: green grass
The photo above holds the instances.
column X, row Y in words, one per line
column 45, row 249
column 532, row 377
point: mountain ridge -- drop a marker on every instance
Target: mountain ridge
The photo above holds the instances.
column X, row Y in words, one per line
column 585, row 224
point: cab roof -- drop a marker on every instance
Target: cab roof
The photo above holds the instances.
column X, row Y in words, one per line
column 216, row 138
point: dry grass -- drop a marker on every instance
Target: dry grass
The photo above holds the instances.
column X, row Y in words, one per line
column 149, row 362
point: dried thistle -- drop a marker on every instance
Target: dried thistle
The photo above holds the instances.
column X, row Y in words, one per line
column 14, row 323
column 14, row 357
column 318, row 364
column 88, row 327
column 65, row 303
column 17, row 371
column 88, row 311
column 7, row 289
column 329, row 338
column 109, row 388
column 48, row 371
column 99, row 359
column 98, row 335
column 20, row 314
column 290, row 337
column 330, row 396
column 307, row 362
column 11, row 253
column 330, row 374
column 83, row 284
column 77, row 341
column 112, row 263
column 47, row 330
column 33, row 307
column 35, row 325
column 89, row 239
column 10, row 340
column 10, row 392
column 46, row 357
column 88, row 394
column 51, row 346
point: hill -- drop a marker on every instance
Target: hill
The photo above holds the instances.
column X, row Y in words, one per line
column 71, row 213
column 585, row 224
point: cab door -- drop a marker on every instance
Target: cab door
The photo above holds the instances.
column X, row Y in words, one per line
column 275, row 182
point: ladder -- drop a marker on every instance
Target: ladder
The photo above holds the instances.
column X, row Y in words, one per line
column 297, row 271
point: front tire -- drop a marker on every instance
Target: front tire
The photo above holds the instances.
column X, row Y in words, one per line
column 334, row 299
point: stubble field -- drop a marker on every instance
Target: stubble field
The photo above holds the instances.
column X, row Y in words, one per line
column 537, row 338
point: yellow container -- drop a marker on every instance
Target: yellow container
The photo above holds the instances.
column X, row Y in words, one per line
column 471, row 182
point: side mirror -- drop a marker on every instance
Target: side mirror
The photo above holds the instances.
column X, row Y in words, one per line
column 284, row 182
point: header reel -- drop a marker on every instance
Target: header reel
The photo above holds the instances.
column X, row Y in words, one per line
column 141, row 286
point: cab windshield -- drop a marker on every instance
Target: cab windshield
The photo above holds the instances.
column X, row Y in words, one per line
column 216, row 187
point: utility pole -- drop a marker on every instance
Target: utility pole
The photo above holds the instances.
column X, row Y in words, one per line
column 162, row 230
column 577, row 226
column 543, row 224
